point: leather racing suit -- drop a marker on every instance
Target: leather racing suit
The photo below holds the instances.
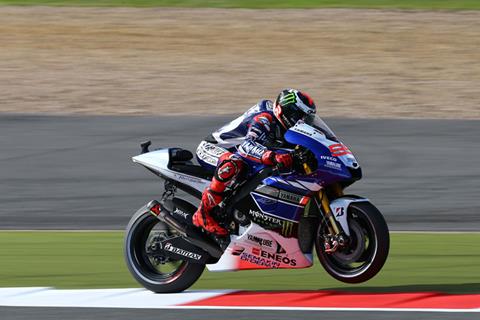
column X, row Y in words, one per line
column 231, row 149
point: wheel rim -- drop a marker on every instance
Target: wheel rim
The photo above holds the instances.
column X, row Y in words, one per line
column 358, row 255
column 149, row 264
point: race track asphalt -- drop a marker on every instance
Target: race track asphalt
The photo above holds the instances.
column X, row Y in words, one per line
column 12, row 313
column 75, row 172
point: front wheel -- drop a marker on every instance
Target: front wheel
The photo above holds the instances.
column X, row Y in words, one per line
column 366, row 250
column 146, row 263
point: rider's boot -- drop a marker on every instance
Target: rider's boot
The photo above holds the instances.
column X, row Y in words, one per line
column 202, row 217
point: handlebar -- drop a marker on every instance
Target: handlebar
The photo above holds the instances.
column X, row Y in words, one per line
column 304, row 159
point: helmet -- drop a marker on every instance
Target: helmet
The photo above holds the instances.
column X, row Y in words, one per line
column 292, row 105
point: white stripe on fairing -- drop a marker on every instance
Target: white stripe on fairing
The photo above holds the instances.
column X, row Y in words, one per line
column 99, row 298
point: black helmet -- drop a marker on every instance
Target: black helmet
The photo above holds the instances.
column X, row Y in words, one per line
column 292, row 105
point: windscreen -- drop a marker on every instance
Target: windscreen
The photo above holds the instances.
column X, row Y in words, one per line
column 317, row 122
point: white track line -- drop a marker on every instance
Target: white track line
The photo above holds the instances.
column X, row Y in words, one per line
column 141, row 298
column 99, row 298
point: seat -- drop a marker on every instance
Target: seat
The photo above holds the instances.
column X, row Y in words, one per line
column 180, row 155
column 180, row 162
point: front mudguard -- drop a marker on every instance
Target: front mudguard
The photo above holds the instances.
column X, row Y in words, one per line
column 339, row 209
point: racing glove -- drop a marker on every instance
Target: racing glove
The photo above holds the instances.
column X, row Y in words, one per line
column 282, row 160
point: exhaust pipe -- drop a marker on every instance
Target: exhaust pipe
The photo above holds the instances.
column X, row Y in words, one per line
column 194, row 237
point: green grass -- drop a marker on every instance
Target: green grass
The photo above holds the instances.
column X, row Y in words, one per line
column 400, row 4
column 417, row 262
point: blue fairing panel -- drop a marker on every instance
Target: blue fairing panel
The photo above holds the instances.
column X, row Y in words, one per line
column 278, row 208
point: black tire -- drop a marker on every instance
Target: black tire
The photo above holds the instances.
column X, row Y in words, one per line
column 368, row 249
column 142, row 265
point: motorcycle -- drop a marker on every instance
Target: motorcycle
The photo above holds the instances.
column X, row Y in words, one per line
column 275, row 219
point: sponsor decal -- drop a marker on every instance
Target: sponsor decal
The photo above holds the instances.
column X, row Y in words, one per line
column 288, row 99
column 236, row 251
column 287, row 228
column 180, row 213
column 333, row 165
column 328, row 158
column 187, row 178
column 213, row 150
column 264, row 217
column 209, row 152
column 211, row 160
column 340, row 211
column 311, row 132
column 262, row 242
column 169, row 247
column 252, row 149
column 307, row 133
column 255, row 259
column 274, row 256
column 290, row 196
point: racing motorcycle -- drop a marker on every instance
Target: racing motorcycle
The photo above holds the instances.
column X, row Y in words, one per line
column 276, row 220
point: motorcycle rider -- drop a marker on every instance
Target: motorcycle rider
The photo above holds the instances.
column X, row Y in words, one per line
column 245, row 140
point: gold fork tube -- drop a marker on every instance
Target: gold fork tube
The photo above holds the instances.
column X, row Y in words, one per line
column 325, row 203
column 328, row 212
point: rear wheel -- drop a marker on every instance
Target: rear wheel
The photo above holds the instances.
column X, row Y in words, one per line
column 147, row 264
column 366, row 250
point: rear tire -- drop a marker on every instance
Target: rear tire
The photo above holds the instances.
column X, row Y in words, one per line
column 145, row 267
column 368, row 249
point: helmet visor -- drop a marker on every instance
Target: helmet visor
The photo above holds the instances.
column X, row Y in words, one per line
column 291, row 115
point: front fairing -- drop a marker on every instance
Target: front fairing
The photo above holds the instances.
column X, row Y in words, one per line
column 336, row 162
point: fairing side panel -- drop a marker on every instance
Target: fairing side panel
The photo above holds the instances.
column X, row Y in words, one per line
column 258, row 248
column 274, row 209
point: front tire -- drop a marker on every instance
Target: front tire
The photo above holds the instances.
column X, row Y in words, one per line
column 155, row 272
column 367, row 250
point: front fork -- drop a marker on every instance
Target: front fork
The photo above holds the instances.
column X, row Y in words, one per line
column 333, row 227
column 337, row 238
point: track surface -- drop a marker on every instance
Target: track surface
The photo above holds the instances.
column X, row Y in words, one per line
column 11, row 313
column 119, row 303
column 76, row 172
